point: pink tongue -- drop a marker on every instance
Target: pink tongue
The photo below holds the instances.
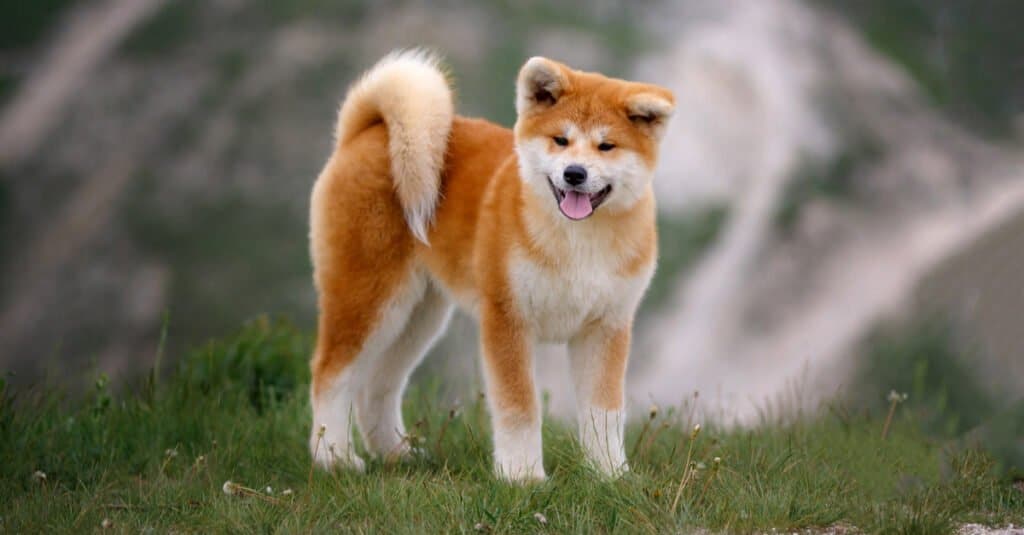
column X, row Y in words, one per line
column 576, row 205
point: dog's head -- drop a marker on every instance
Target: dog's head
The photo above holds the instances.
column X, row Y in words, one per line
column 585, row 141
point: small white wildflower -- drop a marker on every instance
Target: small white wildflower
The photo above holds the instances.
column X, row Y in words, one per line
column 541, row 518
column 653, row 412
column 896, row 397
column 39, row 476
column 106, row 524
column 268, row 490
column 696, row 431
column 717, row 460
column 321, row 431
column 286, row 492
column 230, row 488
column 171, row 453
column 479, row 526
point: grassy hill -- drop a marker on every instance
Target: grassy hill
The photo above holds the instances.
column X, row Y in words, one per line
column 159, row 458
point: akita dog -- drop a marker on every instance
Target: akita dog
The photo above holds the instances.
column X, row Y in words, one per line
column 543, row 233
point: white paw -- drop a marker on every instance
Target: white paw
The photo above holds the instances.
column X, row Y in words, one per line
column 519, row 471
column 608, row 467
column 328, row 455
column 518, row 456
column 601, row 435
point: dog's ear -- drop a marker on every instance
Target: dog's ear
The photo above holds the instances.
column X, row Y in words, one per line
column 541, row 83
column 650, row 109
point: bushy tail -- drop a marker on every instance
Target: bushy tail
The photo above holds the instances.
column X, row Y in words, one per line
column 409, row 91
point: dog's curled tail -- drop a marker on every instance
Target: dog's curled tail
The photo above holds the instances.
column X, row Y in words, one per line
column 409, row 91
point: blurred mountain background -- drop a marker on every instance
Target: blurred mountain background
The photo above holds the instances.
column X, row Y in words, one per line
column 171, row 178
column 842, row 190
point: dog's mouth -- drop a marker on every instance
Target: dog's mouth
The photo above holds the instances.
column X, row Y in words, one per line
column 578, row 205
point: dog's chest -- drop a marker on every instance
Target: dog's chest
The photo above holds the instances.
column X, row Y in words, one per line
column 556, row 303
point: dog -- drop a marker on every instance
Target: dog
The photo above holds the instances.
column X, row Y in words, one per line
column 542, row 233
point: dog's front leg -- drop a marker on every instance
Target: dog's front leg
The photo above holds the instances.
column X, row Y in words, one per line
column 511, row 394
column 598, row 357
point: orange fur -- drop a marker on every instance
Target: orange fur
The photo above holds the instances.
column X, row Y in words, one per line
column 613, row 356
column 495, row 236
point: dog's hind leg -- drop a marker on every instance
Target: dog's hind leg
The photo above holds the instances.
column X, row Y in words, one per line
column 378, row 405
column 345, row 358
column 367, row 283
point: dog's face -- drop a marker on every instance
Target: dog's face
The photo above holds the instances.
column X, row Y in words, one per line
column 587, row 142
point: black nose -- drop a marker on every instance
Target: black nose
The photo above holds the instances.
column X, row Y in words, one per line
column 575, row 175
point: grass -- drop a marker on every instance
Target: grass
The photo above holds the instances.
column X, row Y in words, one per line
column 156, row 458
column 929, row 360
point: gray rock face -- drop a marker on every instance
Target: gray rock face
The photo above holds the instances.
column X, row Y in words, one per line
column 174, row 174
column 769, row 95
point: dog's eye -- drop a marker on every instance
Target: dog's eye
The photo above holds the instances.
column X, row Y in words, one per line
column 560, row 141
column 605, row 147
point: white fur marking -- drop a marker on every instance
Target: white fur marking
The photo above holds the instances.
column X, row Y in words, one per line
column 333, row 412
column 557, row 303
column 624, row 170
column 603, row 440
column 379, row 401
column 518, row 455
